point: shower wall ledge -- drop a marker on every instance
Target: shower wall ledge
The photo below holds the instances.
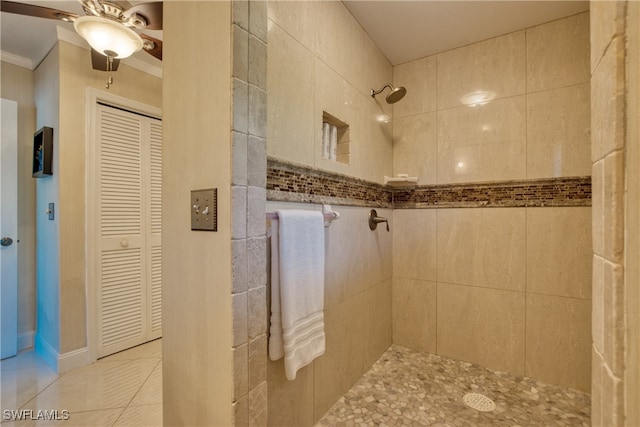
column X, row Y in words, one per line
column 290, row 182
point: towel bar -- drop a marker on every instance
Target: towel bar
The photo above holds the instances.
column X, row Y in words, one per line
column 327, row 212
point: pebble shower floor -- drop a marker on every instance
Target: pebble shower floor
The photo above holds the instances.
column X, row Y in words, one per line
column 410, row 388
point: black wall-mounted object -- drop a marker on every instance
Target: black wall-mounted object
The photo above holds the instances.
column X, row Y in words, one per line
column 43, row 152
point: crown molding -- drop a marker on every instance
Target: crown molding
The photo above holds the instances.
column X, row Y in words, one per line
column 18, row 60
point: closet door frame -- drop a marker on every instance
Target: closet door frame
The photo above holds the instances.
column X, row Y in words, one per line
column 93, row 98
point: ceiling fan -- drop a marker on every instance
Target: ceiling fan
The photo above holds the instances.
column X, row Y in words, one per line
column 108, row 27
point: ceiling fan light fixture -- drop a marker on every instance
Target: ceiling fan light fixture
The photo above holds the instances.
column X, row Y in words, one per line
column 104, row 35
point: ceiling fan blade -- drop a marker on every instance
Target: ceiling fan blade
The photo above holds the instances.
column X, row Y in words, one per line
column 99, row 62
column 37, row 11
column 157, row 46
column 124, row 4
column 152, row 12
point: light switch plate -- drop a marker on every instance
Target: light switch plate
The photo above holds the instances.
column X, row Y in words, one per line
column 204, row 209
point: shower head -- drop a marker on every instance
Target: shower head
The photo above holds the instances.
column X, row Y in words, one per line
column 396, row 94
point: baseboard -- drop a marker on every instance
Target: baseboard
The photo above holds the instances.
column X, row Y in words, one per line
column 48, row 353
column 73, row 359
column 61, row 363
column 26, row 340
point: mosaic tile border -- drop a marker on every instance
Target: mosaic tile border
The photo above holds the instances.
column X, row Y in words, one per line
column 552, row 192
column 289, row 182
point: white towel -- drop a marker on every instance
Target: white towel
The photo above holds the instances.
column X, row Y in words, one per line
column 297, row 289
column 333, row 150
column 326, row 140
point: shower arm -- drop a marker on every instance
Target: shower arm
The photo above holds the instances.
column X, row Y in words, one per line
column 377, row 92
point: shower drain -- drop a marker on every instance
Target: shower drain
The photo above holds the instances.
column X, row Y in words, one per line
column 479, row 402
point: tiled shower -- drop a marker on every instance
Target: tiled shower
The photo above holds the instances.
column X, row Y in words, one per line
column 504, row 282
column 477, row 251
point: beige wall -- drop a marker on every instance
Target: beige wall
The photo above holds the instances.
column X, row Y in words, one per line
column 18, row 85
column 615, row 68
column 320, row 59
column 536, row 126
column 357, row 318
column 197, row 327
column 61, row 81
column 47, row 95
column 508, row 288
column 76, row 76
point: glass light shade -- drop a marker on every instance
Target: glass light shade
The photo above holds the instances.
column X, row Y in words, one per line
column 103, row 35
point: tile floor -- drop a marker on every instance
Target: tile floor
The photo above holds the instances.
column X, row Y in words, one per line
column 124, row 389
column 409, row 388
column 403, row 387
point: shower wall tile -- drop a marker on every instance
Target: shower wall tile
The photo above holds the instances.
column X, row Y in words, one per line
column 607, row 20
column 257, row 361
column 348, row 274
column 379, row 249
column 495, row 67
column 256, row 204
column 358, row 271
column 256, row 257
column 558, row 344
column 257, row 111
column 597, row 306
column 291, row 121
column 596, row 387
column 480, row 325
column 239, row 169
column 419, row 78
column 256, row 312
column 239, row 312
column 374, row 156
column 415, row 147
column 559, row 132
column 558, row 53
column 257, row 162
column 608, row 102
column 239, row 265
column 258, row 406
column 414, row 314
column 241, row 13
column 240, row 53
column 341, row 365
column 414, row 244
column 258, row 19
column 290, row 402
column 343, row 273
column 299, row 20
column 559, row 251
column 240, row 372
column 377, row 318
column 240, row 105
column 346, row 62
column 340, row 42
column 482, row 247
column 483, row 143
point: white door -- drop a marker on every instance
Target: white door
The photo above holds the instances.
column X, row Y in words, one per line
column 129, row 187
column 9, row 230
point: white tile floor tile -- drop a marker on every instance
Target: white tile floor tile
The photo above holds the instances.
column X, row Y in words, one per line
column 124, row 389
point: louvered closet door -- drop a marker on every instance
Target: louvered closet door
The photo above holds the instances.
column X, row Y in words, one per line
column 130, row 255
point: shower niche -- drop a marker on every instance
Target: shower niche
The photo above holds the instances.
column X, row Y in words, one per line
column 335, row 139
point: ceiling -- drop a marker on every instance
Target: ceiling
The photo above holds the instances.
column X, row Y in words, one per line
column 407, row 30
column 404, row 30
